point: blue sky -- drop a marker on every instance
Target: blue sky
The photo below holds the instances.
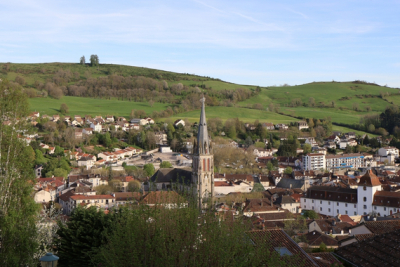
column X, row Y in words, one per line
column 249, row 42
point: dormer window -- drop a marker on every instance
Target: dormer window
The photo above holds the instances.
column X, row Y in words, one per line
column 365, row 188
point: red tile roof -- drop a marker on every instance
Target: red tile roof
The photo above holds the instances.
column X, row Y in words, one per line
column 83, row 197
column 369, row 179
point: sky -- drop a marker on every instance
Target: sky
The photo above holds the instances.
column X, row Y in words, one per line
column 247, row 42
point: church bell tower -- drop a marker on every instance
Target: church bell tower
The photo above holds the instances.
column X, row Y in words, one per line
column 203, row 162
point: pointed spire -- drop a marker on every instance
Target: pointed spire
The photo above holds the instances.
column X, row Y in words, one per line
column 203, row 144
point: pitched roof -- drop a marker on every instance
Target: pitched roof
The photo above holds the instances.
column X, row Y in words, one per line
column 277, row 238
column 333, row 193
column 379, row 250
column 325, row 259
column 124, row 196
column 380, row 227
column 83, row 197
column 172, row 175
column 315, row 238
column 369, row 179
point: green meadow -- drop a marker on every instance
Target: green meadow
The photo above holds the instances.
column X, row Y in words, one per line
column 90, row 106
column 244, row 114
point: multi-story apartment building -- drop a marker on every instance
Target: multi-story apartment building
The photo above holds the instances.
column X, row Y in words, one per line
column 344, row 161
column 314, row 161
column 368, row 198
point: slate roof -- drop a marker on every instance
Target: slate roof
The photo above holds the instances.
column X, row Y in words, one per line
column 172, row 175
column 333, row 193
column 379, row 250
column 290, row 183
column 387, row 199
column 278, row 238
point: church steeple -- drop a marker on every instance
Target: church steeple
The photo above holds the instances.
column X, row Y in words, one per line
column 203, row 162
column 203, row 143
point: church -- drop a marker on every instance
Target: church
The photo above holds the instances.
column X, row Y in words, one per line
column 199, row 180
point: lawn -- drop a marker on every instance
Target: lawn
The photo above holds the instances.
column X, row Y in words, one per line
column 244, row 114
column 90, row 106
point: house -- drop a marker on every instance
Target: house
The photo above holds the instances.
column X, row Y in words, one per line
column 149, row 120
column 87, row 162
column 165, row 199
column 78, row 133
column 56, row 118
column 262, row 152
column 329, row 227
column 38, row 171
column 109, row 118
column 179, row 122
column 281, row 126
column 96, row 126
column 315, row 238
column 161, row 138
column 311, row 141
column 268, row 125
column 288, row 203
column 99, row 201
column 277, row 241
column 334, row 138
column 124, row 182
column 123, row 198
column 87, row 131
column 388, row 150
column 376, row 250
column 302, row 125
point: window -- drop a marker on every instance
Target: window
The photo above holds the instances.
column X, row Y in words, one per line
column 313, row 201
column 355, row 213
column 304, row 200
column 375, row 208
column 345, row 205
column 337, row 211
column 337, row 204
column 329, row 210
column 346, row 212
column 365, row 207
column 355, row 206
column 384, row 208
column 305, row 206
column 365, row 199
column 365, row 188
column 320, row 202
column 329, row 202
column 320, row 209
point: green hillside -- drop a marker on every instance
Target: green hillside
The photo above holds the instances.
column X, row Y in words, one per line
column 89, row 106
column 344, row 102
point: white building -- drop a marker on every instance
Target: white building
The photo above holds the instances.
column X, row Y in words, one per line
column 302, row 125
column 345, row 161
column 96, row 126
column 314, row 161
column 388, row 150
column 368, row 198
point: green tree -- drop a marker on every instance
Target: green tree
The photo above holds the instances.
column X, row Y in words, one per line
column 84, row 231
column 288, row 170
column 18, row 209
column 149, row 169
column 59, row 151
column 307, row 148
column 39, row 158
column 94, row 60
column 258, row 188
column 134, row 186
column 64, row 109
column 176, row 237
column 270, row 166
column 311, row 214
column 103, row 189
column 82, row 61
column 165, row 164
column 59, row 172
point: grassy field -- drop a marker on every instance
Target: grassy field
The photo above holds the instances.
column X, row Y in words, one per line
column 346, row 130
column 244, row 114
column 82, row 106
column 346, row 95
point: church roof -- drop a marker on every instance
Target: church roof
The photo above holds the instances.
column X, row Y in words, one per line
column 203, row 142
column 172, row 175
